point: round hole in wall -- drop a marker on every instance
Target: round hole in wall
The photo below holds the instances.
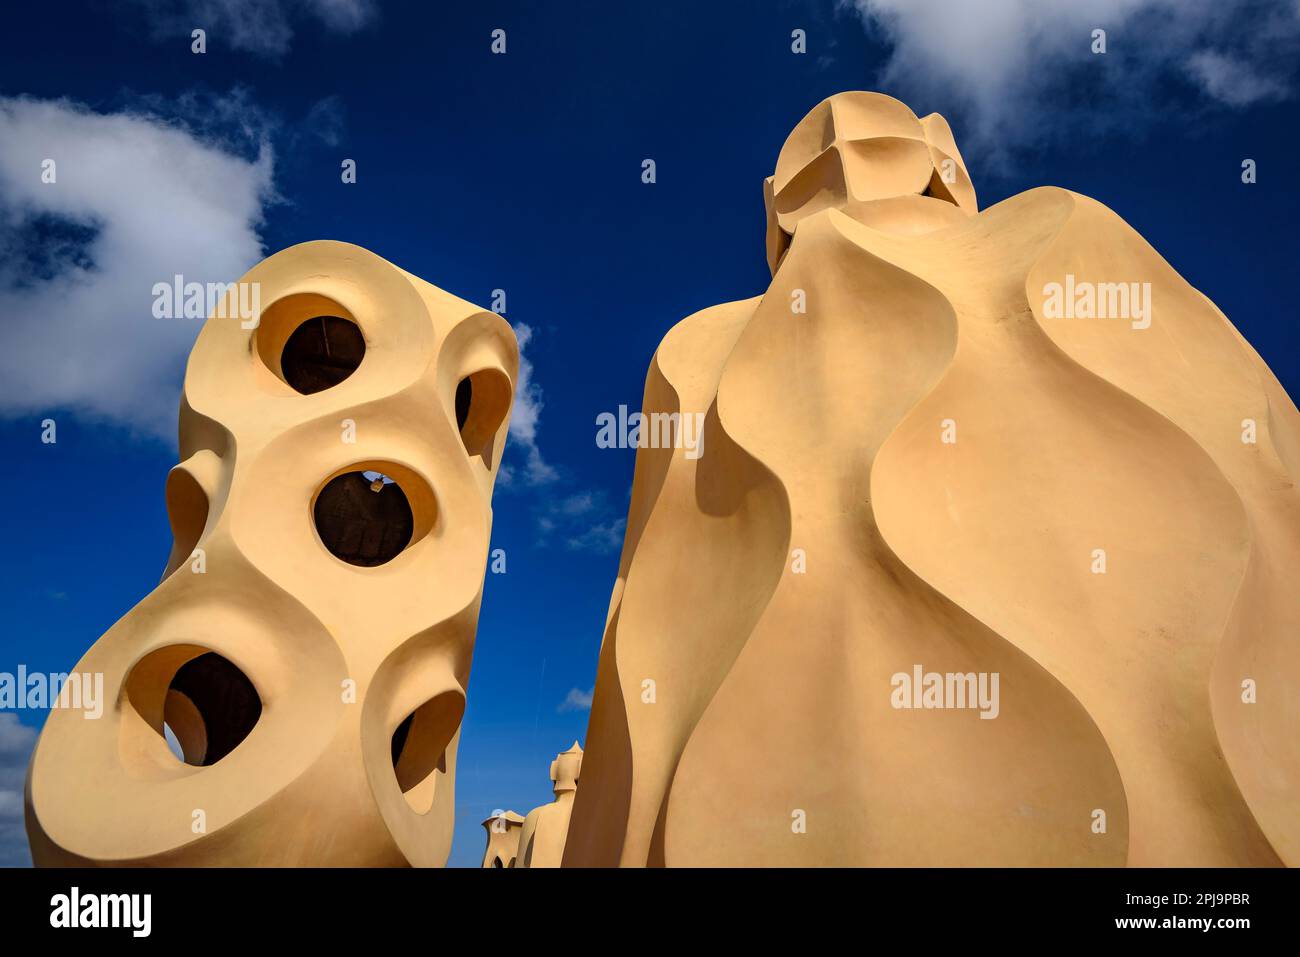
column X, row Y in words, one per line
column 362, row 520
column 199, row 702
column 310, row 342
column 321, row 353
column 369, row 513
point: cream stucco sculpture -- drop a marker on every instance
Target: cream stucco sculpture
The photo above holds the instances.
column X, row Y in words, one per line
column 310, row 642
column 503, row 831
column 1009, row 448
column 541, row 841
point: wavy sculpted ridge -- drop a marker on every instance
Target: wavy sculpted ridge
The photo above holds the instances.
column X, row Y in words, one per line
column 926, row 469
column 359, row 666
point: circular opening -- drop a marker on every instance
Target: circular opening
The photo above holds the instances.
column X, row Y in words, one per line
column 199, row 702
column 310, row 342
column 321, row 353
column 363, row 518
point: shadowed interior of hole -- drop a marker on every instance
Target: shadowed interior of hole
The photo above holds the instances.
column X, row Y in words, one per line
column 419, row 744
column 937, row 189
column 210, row 707
column 187, row 510
column 482, row 404
column 363, row 524
column 399, row 736
column 464, row 396
column 321, row 353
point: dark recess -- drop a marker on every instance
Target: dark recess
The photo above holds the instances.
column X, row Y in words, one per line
column 224, row 697
column 399, row 737
column 464, row 395
column 321, row 353
column 360, row 525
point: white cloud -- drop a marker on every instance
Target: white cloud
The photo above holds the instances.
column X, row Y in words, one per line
column 1016, row 71
column 1231, row 81
column 16, row 742
column 577, row 700
column 601, row 537
column 580, row 504
column 524, row 420
column 137, row 200
column 262, row 27
column 584, row 521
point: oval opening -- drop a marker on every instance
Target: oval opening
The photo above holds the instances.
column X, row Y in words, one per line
column 363, row 518
column 310, row 342
column 321, row 353
column 198, row 701
column 368, row 513
column 482, row 404
column 187, row 511
column 419, row 747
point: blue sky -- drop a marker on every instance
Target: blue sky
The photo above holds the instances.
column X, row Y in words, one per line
column 522, row 172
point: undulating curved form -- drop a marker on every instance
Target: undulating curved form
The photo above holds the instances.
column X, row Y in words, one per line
column 541, row 839
column 985, row 559
column 309, row 645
